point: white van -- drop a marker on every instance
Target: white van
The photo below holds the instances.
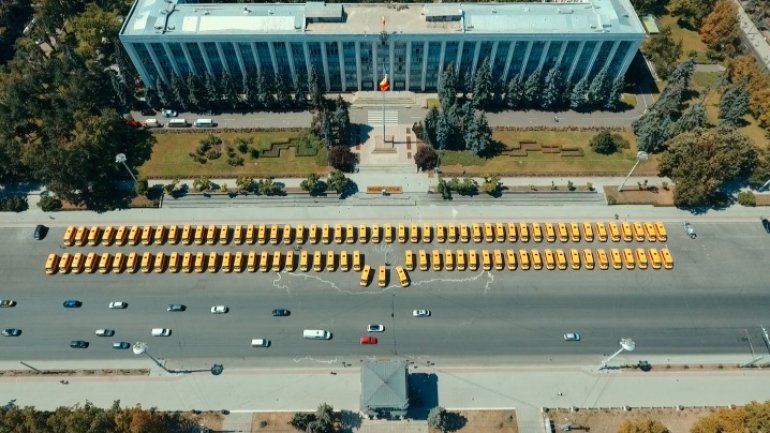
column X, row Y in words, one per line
column 160, row 332
column 316, row 334
column 260, row 342
column 151, row 123
column 177, row 123
column 204, row 123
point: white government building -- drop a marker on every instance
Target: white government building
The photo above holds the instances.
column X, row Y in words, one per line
column 352, row 44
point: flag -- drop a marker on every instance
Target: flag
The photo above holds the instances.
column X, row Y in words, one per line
column 384, row 84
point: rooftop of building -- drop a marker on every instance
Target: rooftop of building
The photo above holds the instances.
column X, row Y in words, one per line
column 175, row 18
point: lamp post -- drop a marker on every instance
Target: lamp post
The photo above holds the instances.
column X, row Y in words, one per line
column 640, row 156
column 121, row 159
column 140, row 348
column 625, row 344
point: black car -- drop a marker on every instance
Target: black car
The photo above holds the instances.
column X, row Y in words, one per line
column 79, row 344
column 281, row 312
column 72, row 303
column 11, row 332
column 175, row 307
column 766, row 224
column 121, row 345
column 7, row 303
column 40, row 232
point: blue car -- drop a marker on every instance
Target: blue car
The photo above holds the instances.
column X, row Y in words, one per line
column 72, row 303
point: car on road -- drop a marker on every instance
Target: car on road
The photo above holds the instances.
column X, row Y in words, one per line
column 40, row 232
column 105, row 332
column 11, row 332
column 368, row 340
column 7, row 303
column 219, row 309
column 281, row 312
column 79, row 344
column 572, row 336
column 421, row 313
column 117, row 305
column 175, row 307
column 766, row 224
column 160, row 332
column 72, row 303
column 121, row 345
column 375, row 327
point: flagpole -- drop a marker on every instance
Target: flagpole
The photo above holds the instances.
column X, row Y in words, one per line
column 383, row 109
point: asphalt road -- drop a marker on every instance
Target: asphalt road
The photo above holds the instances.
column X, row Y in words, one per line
column 713, row 302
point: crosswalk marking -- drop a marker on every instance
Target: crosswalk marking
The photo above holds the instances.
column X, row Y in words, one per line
column 375, row 117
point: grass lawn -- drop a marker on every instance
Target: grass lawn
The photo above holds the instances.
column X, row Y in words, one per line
column 170, row 158
column 751, row 129
column 704, row 80
column 690, row 39
column 454, row 163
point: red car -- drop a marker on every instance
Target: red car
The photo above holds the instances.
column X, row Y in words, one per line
column 368, row 340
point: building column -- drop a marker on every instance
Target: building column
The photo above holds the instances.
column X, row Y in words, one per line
column 424, row 65
column 306, row 50
column 597, row 48
column 154, row 58
column 222, row 58
column 508, row 61
column 358, row 64
column 326, row 66
column 290, row 56
column 460, row 47
column 392, row 62
column 341, row 58
column 408, row 63
column 271, row 47
column 613, row 50
column 543, row 56
column 630, row 53
column 187, row 56
column 526, row 59
column 476, row 53
column 495, row 46
column 441, row 64
column 374, row 65
column 239, row 56
column 171, row 59
column 576, row 60
column 140, row 68
column 561, row 53
column 255, row 53
column 205, row 57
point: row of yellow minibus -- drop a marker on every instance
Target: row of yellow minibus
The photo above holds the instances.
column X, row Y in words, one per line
column 532, row 259
column 383, row 276
column 286, row 234
column 200, row 262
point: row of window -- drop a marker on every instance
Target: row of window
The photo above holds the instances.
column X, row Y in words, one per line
column 507, row 59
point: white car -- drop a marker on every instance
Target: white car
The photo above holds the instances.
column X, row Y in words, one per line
column 117, row 305
column 105, row 332
column 219, row 309
column 421, row 313
column 572, row 336
column 375, row 327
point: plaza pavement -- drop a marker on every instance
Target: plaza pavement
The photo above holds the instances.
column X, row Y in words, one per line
column 526, row 388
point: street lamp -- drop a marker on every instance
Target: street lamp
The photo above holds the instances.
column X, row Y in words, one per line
column 140, row 348
column 640, row 156
column 121, row 159
column 625, row 344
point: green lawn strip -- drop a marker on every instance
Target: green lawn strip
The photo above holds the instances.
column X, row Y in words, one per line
column 704, row 80
column 454, row 163
column 170, row 157
column 690, row 39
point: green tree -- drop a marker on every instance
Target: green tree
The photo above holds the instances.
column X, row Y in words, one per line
column 212, row 98
column 93, row 29
column 229, row 92
column 431, row 122
column 662, row 51
column 443, row 188
column 691, row 12
column 606, row 142
column 251, row 91
column 701, row 161
column 300, row 93
column 141, row 186
column 483, row 86
column 265, row 99
column 720, row 30
column 313, row 184
column 197, row 94
column 599, row 90
column 733, row 105
column 533, row 88
column 492, row 185
column 656, row 7
column 616, row 91
column 244, row 183
column 269, row 186
column 642, row 425
column 202, row 183
column 338, row 182
column 514, row 93
column 282, row 98
column 341, row 122
column 478, row 135
column 438, row 418
column 578, row 95
column 161, row 90
column 314, row 89
column 341, row 158
column 447, row 88
column 14, row 14
column 426, row 158
column 693, row 118
column 553, row 93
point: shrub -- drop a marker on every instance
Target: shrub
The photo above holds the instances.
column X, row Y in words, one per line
column 235, row 161
column 242, row 144
column 49, row 204
column 254, row 153
column 16, row 203
column 589, row 186
column 747, row 198
column 570, row 186
column 607, row 143
column 611, row 200
column 230, row 151
column 213, row 154
column 140, row 187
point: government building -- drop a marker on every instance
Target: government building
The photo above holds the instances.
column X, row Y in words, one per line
column 352, row 45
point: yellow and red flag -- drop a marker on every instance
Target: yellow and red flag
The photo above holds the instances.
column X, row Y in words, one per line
column 385, row 84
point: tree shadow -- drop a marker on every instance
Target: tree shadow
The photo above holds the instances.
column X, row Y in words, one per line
column 496, row 148
column 351, row 421
column 455, row 421
column 639, row 77
column 423, row 394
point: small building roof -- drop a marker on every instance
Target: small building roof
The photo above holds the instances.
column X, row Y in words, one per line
column 384, row 386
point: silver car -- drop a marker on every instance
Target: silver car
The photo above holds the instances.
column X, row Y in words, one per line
column 219, row 309
column 375, row 327
column 105, row 332
column 421, row 313
column 572, row 336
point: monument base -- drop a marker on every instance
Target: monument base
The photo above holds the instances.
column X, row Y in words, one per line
column 384, row 144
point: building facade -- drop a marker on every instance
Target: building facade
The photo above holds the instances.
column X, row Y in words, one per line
column 351, row 46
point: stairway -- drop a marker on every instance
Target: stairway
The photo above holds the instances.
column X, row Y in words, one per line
column 389, row 99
